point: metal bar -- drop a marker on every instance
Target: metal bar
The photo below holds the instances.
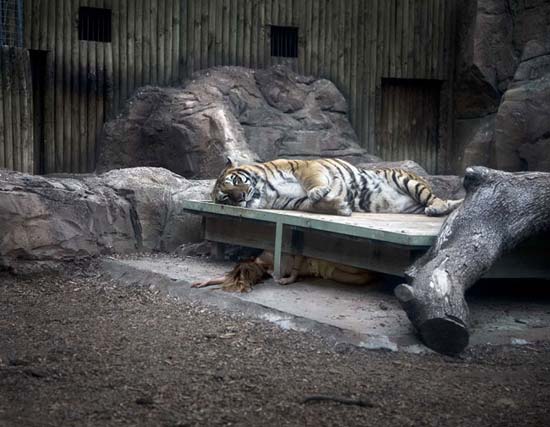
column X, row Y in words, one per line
column 277, row 250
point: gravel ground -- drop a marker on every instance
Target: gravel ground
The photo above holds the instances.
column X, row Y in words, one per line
column 78, row 349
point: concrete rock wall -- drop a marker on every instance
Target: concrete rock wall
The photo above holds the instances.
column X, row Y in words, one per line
column 248, row 115
column 45, row 221
column 502, row 117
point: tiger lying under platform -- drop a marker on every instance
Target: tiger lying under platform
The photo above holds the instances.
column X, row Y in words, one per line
column 331, row 186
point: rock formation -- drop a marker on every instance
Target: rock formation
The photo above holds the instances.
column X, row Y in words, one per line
column 232, row 112
column 502, row 86
column 45, row 221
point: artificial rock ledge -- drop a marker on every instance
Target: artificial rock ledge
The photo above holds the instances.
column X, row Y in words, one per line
column 47, row 220
column 248, row 115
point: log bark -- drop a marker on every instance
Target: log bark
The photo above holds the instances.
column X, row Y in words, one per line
column 500, row 210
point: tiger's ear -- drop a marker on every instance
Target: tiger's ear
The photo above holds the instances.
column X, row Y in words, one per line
column 230, row 163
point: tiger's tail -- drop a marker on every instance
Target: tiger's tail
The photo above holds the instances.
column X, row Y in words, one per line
column 420, row 191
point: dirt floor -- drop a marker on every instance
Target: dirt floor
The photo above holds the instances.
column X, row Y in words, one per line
column 78, row 349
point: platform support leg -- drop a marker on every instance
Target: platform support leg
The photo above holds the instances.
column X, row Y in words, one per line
column 277, row 250
column 218, row 251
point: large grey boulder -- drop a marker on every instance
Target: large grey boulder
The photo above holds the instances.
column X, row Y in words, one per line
column 503, row 58
column 522, row 125
column 478, row 135
column 45, row 220
column 494, row 51
column 247, row 115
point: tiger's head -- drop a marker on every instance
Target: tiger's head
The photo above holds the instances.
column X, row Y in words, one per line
column 235, row 186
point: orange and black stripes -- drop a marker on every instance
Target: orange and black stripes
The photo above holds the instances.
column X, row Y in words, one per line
column 325, row 185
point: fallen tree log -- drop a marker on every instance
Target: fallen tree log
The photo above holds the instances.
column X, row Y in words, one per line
column 500, row 210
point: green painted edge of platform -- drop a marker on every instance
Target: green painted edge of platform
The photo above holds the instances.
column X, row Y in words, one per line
column 198, row 207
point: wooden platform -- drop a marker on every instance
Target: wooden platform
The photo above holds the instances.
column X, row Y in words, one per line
column 387, row 243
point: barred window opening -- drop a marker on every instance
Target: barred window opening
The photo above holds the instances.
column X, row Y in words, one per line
column 284, row 41
column 11, row 23
column 94, row 24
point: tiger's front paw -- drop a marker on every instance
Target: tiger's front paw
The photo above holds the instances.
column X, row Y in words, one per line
column 317, row 193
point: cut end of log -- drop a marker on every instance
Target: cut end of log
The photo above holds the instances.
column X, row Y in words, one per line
column 404, row 293
column 445, row 335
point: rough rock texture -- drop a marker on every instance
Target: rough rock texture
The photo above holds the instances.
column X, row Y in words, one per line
column 46, row 220
column 230, row 112
column 479, row 134
column 522, row 124
column 494, row 51
column 503, row 66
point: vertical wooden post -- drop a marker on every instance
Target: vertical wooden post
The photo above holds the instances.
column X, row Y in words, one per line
column 75, row 90
column 27, row 141
column 66, row 87
column 8, row 112
column 233, row 25
column 139, row 43
column 3, row 140
column 277, row 250
column 183, row 53
column 131, row 45
column 176, row 53
column 218, row 251
column 211, row 33
column 109, row 77
column 190, row 59
column 16, row 95
column 168, row 35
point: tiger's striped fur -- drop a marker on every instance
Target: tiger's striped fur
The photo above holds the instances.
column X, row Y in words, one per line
column 327, row 186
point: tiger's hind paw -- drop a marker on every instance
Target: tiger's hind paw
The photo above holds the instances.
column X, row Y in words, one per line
column 433, row 211
column 317, row 193
column 441, row 207
column 344, row 211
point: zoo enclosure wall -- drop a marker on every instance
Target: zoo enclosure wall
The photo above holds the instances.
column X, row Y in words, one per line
column 357, row 44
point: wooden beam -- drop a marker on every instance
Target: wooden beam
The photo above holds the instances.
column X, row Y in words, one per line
column 168, row 41
column 403, row 229
column 27, row 141
column 3, row 96
column 204, row 30
column 8, row 106
column 74, row 89
column 15, row 59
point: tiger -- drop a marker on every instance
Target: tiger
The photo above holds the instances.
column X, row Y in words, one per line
column 328, row 186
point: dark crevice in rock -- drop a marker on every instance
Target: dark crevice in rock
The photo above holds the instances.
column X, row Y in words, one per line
column 129, row 196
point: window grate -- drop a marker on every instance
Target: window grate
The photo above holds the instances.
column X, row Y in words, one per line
column 284, row 41
column 94, row 24
column 11, row 23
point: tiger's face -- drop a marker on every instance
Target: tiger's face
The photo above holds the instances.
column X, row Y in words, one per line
column 233, row 187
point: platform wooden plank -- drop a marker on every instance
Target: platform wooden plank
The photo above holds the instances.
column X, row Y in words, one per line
column 402, row 229
column 387, row 243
